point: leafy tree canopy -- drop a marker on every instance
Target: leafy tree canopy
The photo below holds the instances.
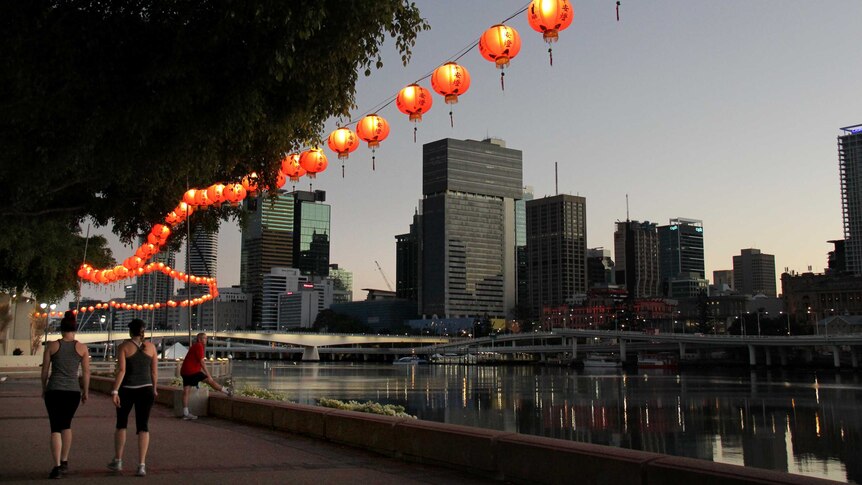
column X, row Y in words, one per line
column 112, row 108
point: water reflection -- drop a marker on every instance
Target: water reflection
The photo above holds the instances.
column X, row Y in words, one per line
column 801, row 422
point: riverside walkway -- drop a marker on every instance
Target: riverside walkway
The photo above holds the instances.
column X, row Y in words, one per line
column 208, row 450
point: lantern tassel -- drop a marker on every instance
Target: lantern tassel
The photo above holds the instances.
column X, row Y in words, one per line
column 373, row 157
column 502, row 82
column 551, row 55
column 342, row 170
column 451, row 119
column 618, row 11
column 414, row 134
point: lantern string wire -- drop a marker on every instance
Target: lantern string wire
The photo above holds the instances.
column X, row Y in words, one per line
column 454, row 58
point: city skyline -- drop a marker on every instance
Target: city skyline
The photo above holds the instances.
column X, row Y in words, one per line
column 725, row 113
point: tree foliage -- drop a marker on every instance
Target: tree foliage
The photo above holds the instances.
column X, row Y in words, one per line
column 112, row 109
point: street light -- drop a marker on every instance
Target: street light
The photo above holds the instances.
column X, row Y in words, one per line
column 51, row 308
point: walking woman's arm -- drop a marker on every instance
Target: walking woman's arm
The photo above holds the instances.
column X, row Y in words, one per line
column 155, row 370
column 46, row 363
column 85, row 373
column 121, row 373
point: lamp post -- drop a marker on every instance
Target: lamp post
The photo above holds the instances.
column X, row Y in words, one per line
column 50, row 308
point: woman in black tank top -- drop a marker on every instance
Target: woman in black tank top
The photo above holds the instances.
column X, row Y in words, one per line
column 134, row 386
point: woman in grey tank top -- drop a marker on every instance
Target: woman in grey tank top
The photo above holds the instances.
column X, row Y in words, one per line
column 61, row 389
column 134, row 386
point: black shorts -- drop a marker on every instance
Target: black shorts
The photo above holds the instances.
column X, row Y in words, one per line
column 61, row 407
column 141, row 398
column 194, row 379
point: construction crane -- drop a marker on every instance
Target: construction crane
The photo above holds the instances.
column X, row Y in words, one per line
column 385, row 279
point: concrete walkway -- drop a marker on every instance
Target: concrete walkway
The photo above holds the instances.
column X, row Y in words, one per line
column 205, row 451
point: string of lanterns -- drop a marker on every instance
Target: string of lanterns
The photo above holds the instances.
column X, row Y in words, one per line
column 498, row 44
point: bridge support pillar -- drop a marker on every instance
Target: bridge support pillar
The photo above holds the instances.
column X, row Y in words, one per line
column 809, row 355
column 622, row 350
column 574, row 347
column 752, row 356
column 681, row 350
column 836, row 356
column 854, row 361
column 310, row 354
column 768, row 354
column 782, row 356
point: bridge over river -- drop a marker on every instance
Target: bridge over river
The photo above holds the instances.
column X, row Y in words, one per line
column 556, row 343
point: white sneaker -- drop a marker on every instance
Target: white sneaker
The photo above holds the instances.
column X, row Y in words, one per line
column 228, row 391
column 142, row 470
column 115, row 465
column 189, row 417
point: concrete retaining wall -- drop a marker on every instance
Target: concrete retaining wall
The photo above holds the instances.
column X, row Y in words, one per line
column 512, row 457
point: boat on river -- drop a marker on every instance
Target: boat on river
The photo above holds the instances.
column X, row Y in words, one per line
column 659, row 361
column 453, row 359
column 601, row 361
column 412, row 360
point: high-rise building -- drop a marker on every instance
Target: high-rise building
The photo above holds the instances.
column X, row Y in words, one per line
column 556, row 250
column 681, row 260
column 407, row 267
column 291, row 231
column 203, row 253
column 468, row 227
column 850, row 170
column 754, row 273
column 275, row 283
column 637, row 262
column 523, row 284
column 722, row 278
column 155, row 287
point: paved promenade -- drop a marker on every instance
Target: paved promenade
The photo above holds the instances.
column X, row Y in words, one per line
column 205, row 451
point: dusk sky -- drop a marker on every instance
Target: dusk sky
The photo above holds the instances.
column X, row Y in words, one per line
column 724, row 111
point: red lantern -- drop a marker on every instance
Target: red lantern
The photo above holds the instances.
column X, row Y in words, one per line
column 202, row 199
column 249, row 183
column 234, row 193
column 550, row 17
column 372, row 129
column 313, row 161
column 343, row 141
column 414, row 100
column 500, row 44
column 189, row 196
column 215, row 193
column 450, row 81
column 291, row 168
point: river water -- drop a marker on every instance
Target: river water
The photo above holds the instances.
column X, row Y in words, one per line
column 803, row 422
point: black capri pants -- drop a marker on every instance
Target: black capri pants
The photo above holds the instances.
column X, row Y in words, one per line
column 142, row 399
column 61, row 407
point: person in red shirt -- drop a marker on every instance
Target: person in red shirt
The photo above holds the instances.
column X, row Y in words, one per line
column 194, row 371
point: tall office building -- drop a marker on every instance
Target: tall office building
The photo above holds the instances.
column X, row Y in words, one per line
column 523, row 280
column 342, row 284
column 203, row 253
column 407, row 268
column 754, row 273
column 681, row 260
column 468, row 227
column 637, row 262
column 850, row 170
column 556, row 251
column 723, row 278
column 289, row 232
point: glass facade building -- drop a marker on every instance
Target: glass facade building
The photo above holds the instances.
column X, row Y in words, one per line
column 637, row 260
column 850, row 171
column 291, row 231
column 468, row 227
column 155, row 287
column 681, row 259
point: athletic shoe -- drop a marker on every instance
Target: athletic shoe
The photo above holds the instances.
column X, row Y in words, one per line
column 115, row 465
column 189, row 417
column 228, row 391
column 55, row 473
column 64, row 467
column 142, row 470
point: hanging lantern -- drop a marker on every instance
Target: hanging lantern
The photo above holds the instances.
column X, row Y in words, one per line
column 291, row 168
column 202, row 199
column 189, row 196
column 215, row 193
column 450, row 81
column 343, row 141
column 550, row 17
column 372, row 129
column 500, row 44
column 414, row 100
column 234, row 193
column 249, row 183
column 313, row 161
